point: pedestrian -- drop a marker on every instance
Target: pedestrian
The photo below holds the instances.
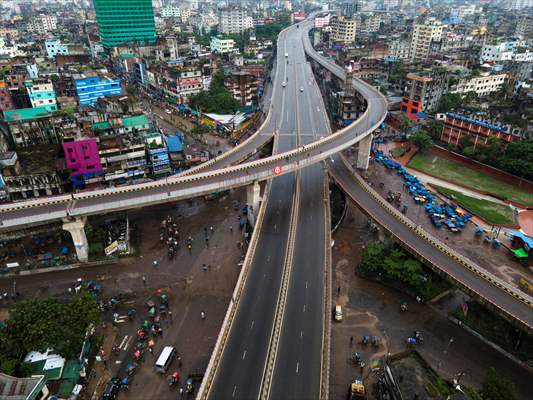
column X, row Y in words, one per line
column 155, row 263
column 211, row 229
column 351, row 340
column 204, row 267
column 170, row 315
column 206, row 241
column 338, row 290
column 144, row 281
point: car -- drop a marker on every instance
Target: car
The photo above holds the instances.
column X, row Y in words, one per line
column 301, row 89
column 168, row 111
column 111, row 389
column 286, row 55
column 338, row 313
column 283, row 83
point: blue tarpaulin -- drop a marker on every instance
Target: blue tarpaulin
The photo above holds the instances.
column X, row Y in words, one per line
column 174, row 144
column 527, row 239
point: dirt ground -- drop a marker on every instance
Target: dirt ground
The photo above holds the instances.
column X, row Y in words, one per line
column 500, row 262
column 191, row 290
column 371, row 308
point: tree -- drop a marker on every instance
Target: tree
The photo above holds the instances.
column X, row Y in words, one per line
column 506, row 90
column 518, row 159
column 42, row 324
column 449, row 102
column 497, row 387
column 404, row 124
column 435, row 128
column 372, row 257
column 421, row 140
column 217, row 99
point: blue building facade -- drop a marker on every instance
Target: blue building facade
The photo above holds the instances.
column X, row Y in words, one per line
column 89, row 90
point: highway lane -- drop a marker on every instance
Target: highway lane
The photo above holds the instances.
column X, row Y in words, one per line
column 297, row 371
column 240, row 371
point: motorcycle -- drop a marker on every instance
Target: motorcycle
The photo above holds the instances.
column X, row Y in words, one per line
column 174, row 378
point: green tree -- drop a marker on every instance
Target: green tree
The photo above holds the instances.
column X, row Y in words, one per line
column 372, row 259
column 518, row 159
column 404, row 124
column 421, row 140
column 397, row 71
column 506, row 91
column 217, row 99
column 449, row 102
column 435, row 128
column 497, row 387
column 41, row 324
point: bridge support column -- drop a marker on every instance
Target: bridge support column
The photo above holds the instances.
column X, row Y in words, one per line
column 364, row 152
column 253, row 197
column 76, row 228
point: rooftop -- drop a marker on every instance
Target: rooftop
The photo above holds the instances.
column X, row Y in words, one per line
column 23, row 114
column 12, row 388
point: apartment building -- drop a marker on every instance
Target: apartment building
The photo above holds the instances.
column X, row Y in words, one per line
column 189, row 83
column 524, row 27
column 55, row 47
column 10, row 50
column 423, row 35
column 6, row 103
column 222, row 46
column 90, row 89
column 343, row 29
column 399, row 49
column 482, row 85
column 42, row 24
column 234, row 20
column 513, row 50
column 243, row 87
column 423, row 92
column 170, row 12
column 322, row 20
column 41, row 94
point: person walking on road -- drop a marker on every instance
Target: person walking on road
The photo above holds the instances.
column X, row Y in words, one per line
column 144, row 281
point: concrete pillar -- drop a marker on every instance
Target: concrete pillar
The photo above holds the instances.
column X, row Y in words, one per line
column 76, row 227
column 253, row 197
column 364, row 152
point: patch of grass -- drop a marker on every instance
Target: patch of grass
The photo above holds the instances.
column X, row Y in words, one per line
column 459, row 173
column 493, row 213
column 398, row 152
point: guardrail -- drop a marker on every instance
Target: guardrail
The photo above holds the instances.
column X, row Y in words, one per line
column 465, row 262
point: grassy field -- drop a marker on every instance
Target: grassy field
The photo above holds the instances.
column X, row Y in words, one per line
column 493, row 213
column 456, row 172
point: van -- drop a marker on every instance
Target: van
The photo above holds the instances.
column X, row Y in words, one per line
column 338, row 313
column 165, row 359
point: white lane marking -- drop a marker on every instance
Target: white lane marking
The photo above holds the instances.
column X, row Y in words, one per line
column 301, row 334
column 234, row 390
column 306, row 284
column 252, row 325
column 244, row 355
column 297, row 366
column 124, row 339
column 304, row 307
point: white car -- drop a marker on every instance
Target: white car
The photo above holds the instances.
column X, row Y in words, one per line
column 301, row 89
column 168, row 111
column 286, row 55
column 283, row 83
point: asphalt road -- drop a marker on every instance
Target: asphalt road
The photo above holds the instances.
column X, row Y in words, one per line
column 297, row 371
column 240, row 371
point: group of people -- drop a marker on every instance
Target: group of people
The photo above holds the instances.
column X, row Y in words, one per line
column 170, row 234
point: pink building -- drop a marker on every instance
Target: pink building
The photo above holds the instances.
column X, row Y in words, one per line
column 83, row 160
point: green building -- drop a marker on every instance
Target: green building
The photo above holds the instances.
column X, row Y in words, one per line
column 123, row 21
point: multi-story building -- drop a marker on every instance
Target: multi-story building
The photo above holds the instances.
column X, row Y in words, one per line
column 343, row 29
column 189, row 83
column 423, row 93
column 243, row 87
column 90, row 89
column 222, row 46
column 234, row 20
column 170, row 12
column 137, row 124
column 55, row 47
column 6, row 103
column 524, row 27
column 482, row 85
column 123, row 21
column 513, row 50
column 83, row 161
column 123, row 158
column 157, row 151
column 519, row 4
column 41, row 94
column 423, row 35
column 42, row 24
column 456, row 126
column 10, row 50
column 322, row 20
column 399, row 49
